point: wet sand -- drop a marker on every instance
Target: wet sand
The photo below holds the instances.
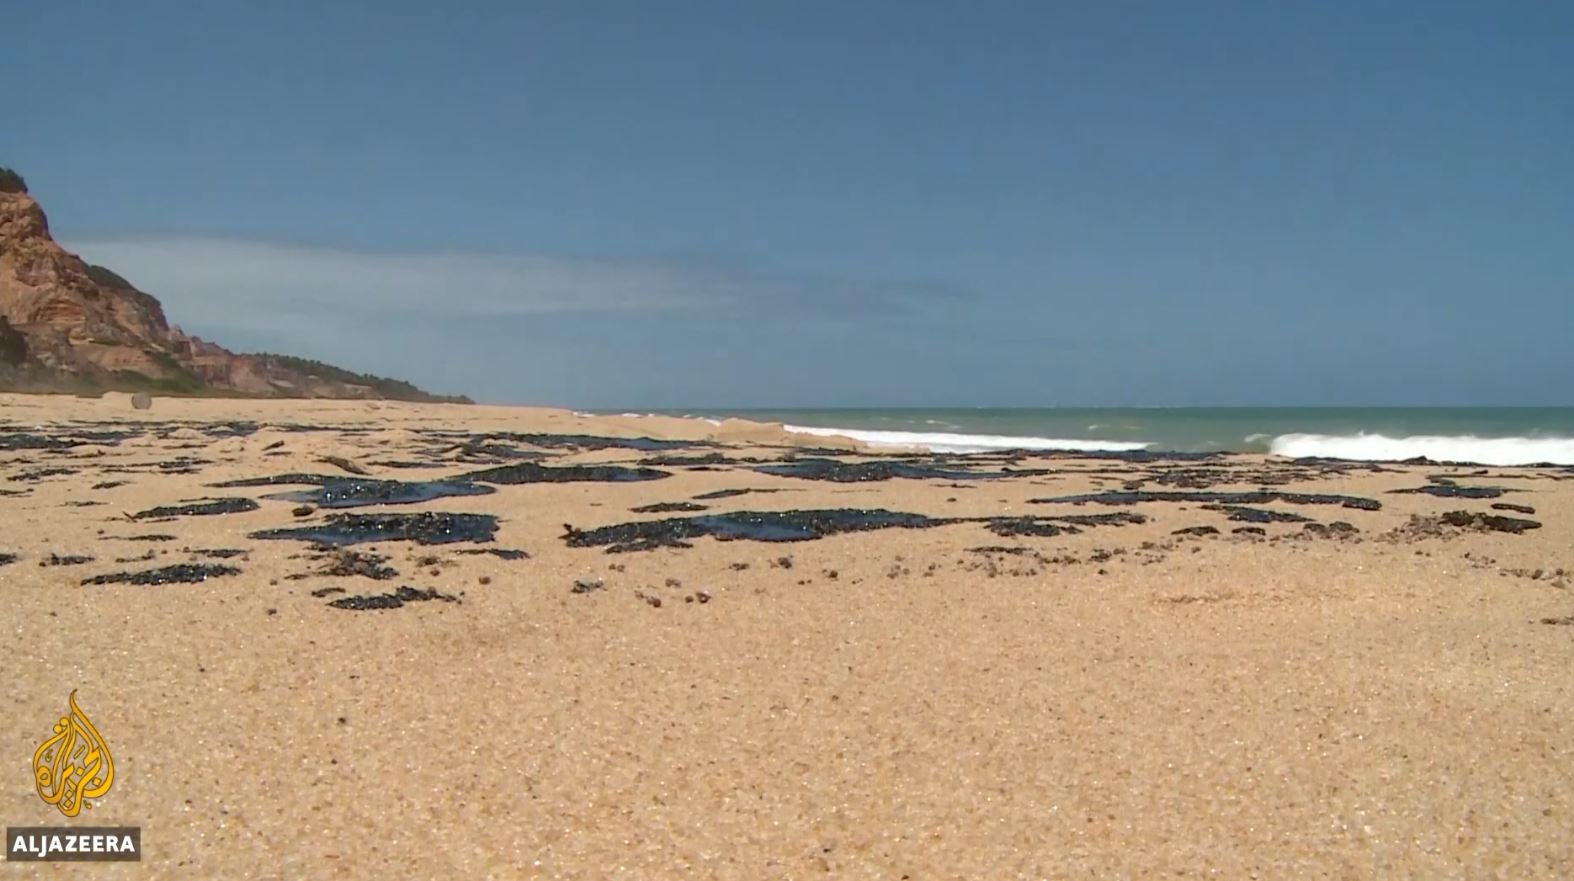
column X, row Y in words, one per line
column 1008, row 689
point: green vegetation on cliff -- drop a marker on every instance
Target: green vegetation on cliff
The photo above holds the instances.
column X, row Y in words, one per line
column 108, row 278
column 393, row 389
column 11, row 182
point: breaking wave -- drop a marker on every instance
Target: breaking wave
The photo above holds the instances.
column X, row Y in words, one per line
column 1439, row 448
column 968, row 443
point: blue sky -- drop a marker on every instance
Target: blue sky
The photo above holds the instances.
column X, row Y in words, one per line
column 681, row 204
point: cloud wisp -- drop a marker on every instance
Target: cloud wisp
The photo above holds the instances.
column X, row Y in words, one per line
column 219, row 282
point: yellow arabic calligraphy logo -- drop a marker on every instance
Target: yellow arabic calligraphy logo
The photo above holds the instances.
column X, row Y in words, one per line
column 74, row 764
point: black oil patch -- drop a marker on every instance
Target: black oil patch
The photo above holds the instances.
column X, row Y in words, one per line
column 345, row 493
column 294, row 478
column 397, row 599
column 482, row 452
column 219, row 553
column 427, row 528
column 201, row 508
column 1116, row 518
column 1013, row 550
column 500, row 553
column 730, row 493
column 345, row 563
column 592, row 442
column 40, row 474
column 668, row 508
column 1454, row 491
column 184, row 573
column 688, row 461
column 1336, row 529
column 1221, row 498
column 781, row 526
column 1048, row 527
column 530, row 472
column 570, row 441
column 10, row 440
column 838, row 471
column 1243, row 514
column 1489, row 522
column 769, row 526
column 1043, row 527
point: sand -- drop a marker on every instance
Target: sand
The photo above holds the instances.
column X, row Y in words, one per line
column 1120, row 702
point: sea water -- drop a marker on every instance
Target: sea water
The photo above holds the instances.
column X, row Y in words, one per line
column 1484, row 435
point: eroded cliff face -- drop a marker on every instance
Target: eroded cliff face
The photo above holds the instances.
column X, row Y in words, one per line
column 67, row 324
column 73, row 324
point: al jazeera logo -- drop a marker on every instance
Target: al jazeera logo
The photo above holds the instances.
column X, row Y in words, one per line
column 72, row 768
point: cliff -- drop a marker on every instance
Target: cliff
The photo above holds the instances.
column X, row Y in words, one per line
column 66, row 325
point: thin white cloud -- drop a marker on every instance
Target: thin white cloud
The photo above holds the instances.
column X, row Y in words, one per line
column 218, row 282
column 201, row 279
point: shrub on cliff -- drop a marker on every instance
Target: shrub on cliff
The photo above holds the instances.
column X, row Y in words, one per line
column 392, row 389
column 107, row 278
column 11, row 182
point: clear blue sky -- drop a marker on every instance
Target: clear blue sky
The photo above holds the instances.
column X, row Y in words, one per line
column 650, row 204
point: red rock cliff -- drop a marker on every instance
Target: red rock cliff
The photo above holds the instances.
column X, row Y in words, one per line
column 66, row 324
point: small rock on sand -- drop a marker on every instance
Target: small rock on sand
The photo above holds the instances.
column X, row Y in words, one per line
column 142, row 401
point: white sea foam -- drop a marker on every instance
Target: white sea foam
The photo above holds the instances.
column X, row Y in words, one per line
column 1464, row 448
column 966, row 443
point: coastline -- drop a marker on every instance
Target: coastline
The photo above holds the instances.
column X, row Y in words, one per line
column 1010, row 687
column 1487, row 435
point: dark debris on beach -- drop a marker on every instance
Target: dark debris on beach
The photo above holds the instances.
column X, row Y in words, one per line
column 199, row 508
column 1244, row 514
column 500, row 553
column 668, row 508
column 344, row 562
column 397, row 599
column 427, row 528
column 773, row 526
column 1454, row 491
column 351, row 493
column 1222, row 498
column 183, row 573
column 530, row 472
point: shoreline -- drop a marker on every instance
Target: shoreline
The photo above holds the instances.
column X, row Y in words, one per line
column 1500, row 451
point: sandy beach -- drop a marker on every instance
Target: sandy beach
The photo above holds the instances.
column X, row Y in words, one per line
column 1034, row 677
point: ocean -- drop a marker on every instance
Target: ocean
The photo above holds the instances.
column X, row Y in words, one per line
column 1484, row 435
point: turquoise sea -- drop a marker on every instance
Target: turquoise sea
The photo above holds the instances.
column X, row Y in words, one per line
column 1489, row 435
